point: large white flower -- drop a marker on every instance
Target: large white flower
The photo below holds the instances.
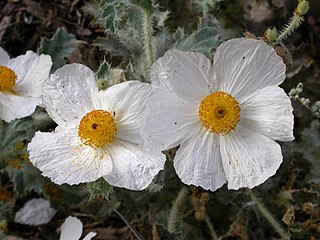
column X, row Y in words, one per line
column 98, row 133
column 224, row 116
column 21, row 79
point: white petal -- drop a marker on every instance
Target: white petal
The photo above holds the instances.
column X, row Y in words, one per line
column 245, row 65
column 70, row 93
column 168, row 120
column 71, row 229
column 4, row 57
column 188, row 74
column 14, row 107
column 128, row 101
column 63, row 158
column 198, row 161
column 31, row 70
column 133, row 167
column 249, row 158
column 36, row 211
column 269, row 111
column 89, row 236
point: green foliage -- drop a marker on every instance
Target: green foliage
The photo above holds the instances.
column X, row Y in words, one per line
column 205, row 6
column 204, row 40
column 104, row 75
column 24, row 179
column 99, row 189
column 59, row 47
column 309, row 147
column 5, row 210
column 176, row 215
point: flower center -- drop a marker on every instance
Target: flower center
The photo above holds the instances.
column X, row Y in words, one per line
column 7, row 79
column 219, row 112
column 97, row 129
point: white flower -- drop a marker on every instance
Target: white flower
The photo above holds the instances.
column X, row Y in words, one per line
column 71, row 229
column 224, row 116
column 98, row 133
column 21, row 79
column 35, row 212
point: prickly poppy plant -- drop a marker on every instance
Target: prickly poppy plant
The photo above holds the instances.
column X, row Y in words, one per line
column 145, row 119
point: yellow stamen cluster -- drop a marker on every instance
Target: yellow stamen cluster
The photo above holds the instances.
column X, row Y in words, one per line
column 219, row 112
column 7, row 79
column 97, row 129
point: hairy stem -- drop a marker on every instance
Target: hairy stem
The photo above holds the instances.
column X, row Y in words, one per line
column 211, row 228
column 148, row 38
column 175, row 215
column 265, row 212
column 289, row 28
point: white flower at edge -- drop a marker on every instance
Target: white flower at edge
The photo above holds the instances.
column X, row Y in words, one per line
column 35, row 212
column 21, row 79
column 98, row 133
column 71, row 229
column 225, row 116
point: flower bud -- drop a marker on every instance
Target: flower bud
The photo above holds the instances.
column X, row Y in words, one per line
column 303, row 7
column 271, row 34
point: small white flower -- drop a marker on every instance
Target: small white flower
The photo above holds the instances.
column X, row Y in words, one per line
column 224, row 116
column 71, row 229
column 98, row 133
column 21, row 79
column 36, row 211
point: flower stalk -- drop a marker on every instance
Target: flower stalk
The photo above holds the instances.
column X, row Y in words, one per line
column 148, row 38
column 295, row 21
column 265, row 212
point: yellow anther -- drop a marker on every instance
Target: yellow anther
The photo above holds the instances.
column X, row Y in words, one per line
column 7, row 79
column 219, row 112
column 97, row 129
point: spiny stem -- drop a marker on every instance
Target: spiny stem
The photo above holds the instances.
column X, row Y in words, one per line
column 290, row 27
column 269, row 216
column 211, row 228
column 175, row 210
column 148, row 38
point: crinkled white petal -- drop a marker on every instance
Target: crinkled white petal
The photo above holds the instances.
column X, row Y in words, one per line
column 35, row 212
column 128, row 102
column 198, row 161
column 249, row 158
column 31, row 70
column 244, row 65
column 269, row 111
column 133, row 167
column 168, row 120
column 63, row 158
column 70, row 93
column 4, row 57
column 14, row 106
column 71, row 229
column 188, row 74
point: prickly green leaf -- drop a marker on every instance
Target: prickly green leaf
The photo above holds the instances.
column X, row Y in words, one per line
column 18, row 131
column 103, row 75
column 204, row 41
column 163, row 41
column 59, row 47
column 26, row 179
column 99, row 188
column 310, row 149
